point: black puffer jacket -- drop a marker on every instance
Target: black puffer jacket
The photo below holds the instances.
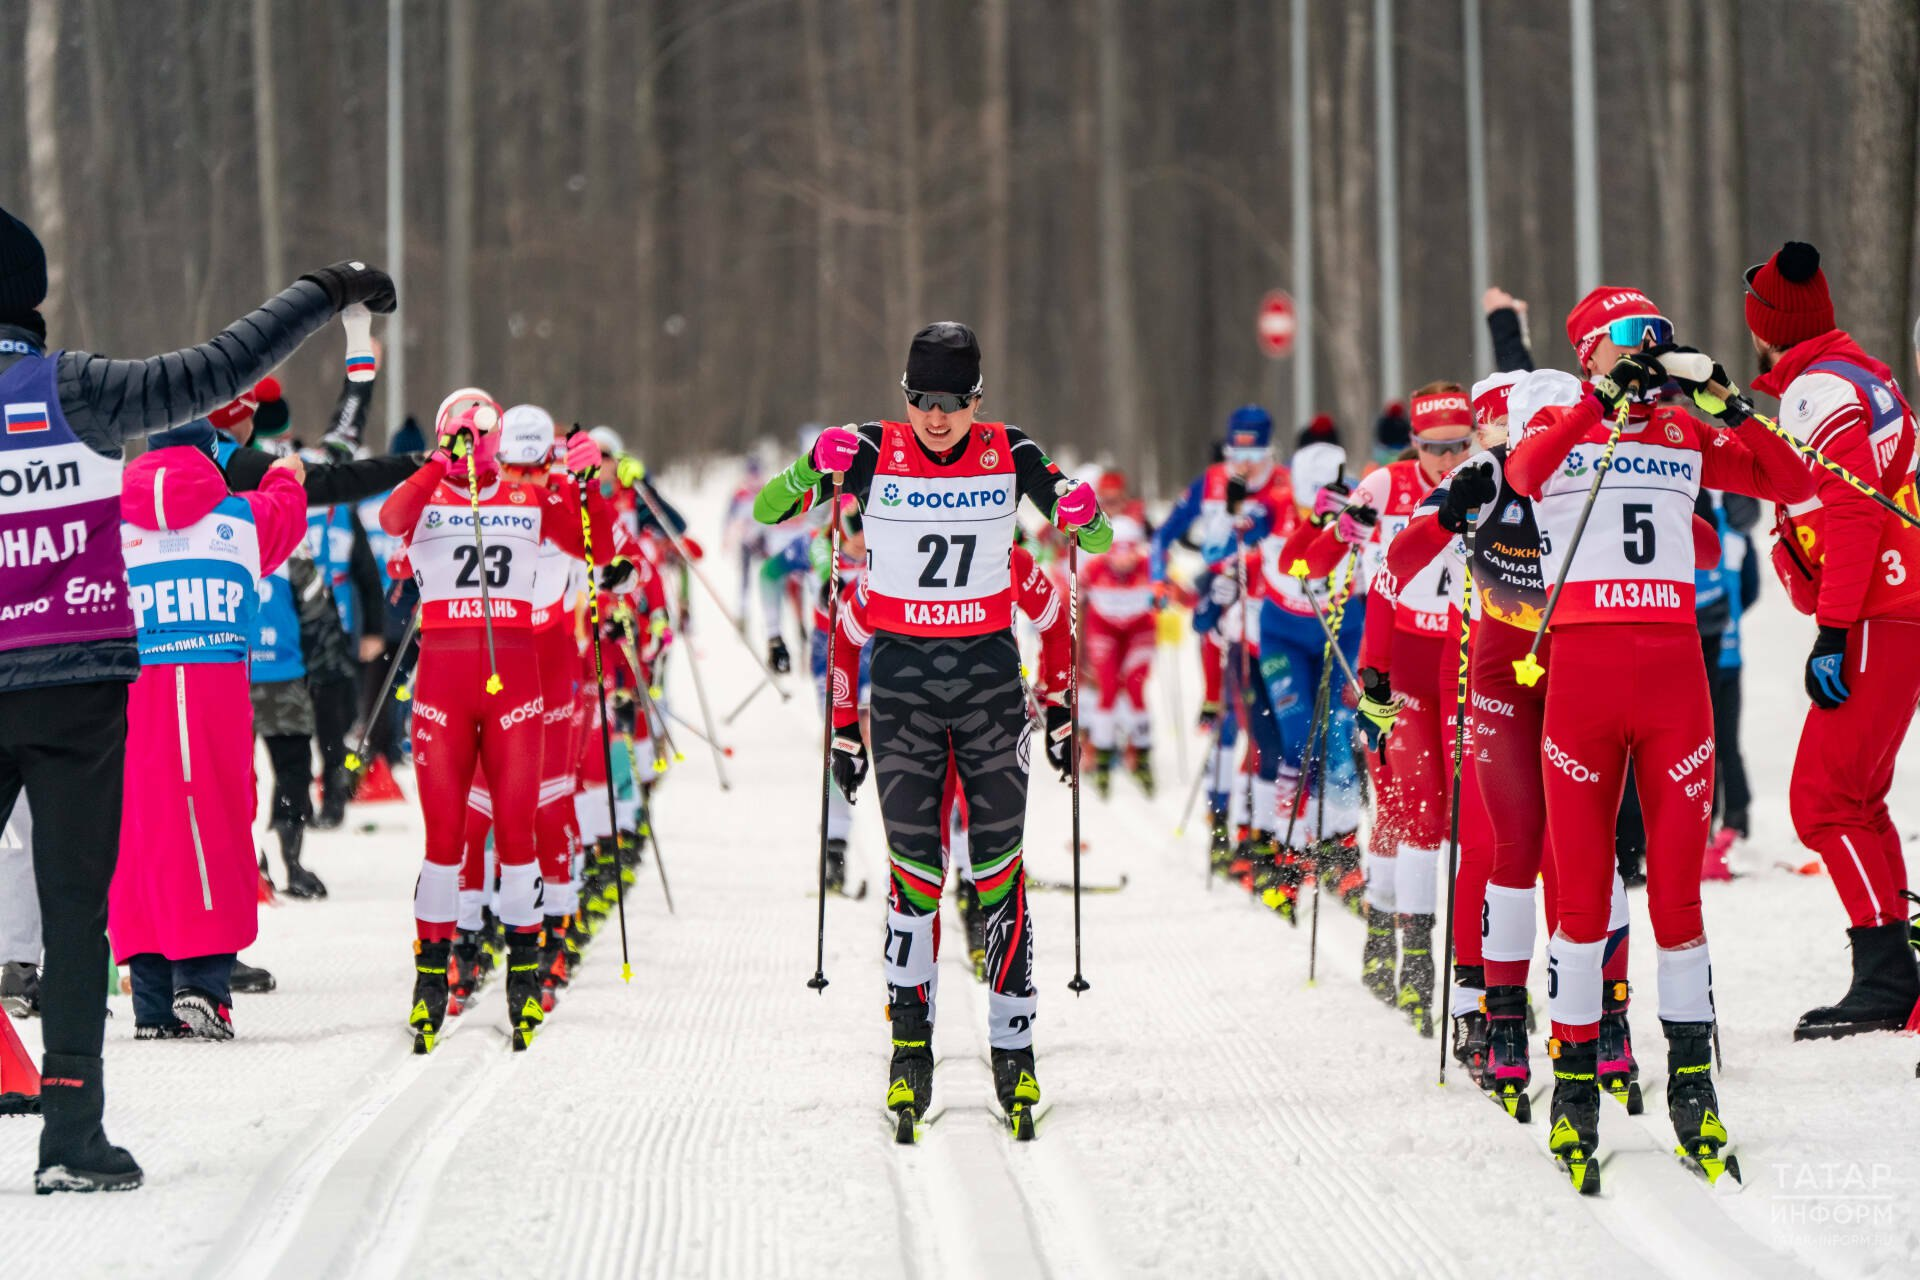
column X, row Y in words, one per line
column 108, row 402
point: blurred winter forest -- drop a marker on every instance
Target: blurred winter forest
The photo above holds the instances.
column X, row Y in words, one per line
column 708, row 221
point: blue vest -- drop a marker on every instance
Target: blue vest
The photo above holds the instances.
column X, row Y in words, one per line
column 277, row 656
column 192, row 589
column 330, row 542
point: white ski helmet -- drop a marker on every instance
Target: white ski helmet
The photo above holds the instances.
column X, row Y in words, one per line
column 485, row 409
column 1314, row 467
column 526, row 436
column 609, row 441
column 1541, row 389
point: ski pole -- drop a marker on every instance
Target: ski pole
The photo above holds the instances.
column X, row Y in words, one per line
column 1249, row 757
column 1302, row 789
column 357, row 758
column 1528, row 670
column 600, row 690
column 686, row 558
column 1852, row 481
column 646, row 807
column 1078, row 983
column 694, row 729
column 818, row 981
column 1453, row 821
column 481, row 568
column 1208, row 765
column 712, row 736
column 1320, row 819
column 1299, row 570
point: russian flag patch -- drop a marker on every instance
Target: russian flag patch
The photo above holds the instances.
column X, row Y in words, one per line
column 360, row 364
column 28, row 416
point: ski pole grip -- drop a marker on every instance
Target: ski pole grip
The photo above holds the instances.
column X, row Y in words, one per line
column 358, row 322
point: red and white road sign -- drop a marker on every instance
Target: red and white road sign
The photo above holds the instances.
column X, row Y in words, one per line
column 1276, row 326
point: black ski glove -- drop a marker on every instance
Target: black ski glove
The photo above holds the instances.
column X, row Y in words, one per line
column 1468, row 489
column 1826, row 669
column 354, row 281
column 849, row 761
column 1060, row 739
column 1634, row 372
column 777, row 656
column 1236, row 493
column 616, row 573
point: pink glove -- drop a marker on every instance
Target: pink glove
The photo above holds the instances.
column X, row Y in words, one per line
column 835, row 450
column 1077, row 506
column 1357, row 524
column 1329, row 502
column 582, row 453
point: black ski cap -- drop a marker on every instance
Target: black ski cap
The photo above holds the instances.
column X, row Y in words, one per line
column 945, row 356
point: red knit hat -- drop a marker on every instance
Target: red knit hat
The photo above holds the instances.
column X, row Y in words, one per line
column 1593, row 313
column 1787, row 298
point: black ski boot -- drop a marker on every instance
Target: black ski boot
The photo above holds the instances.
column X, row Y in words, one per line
column 1220, row 844
column 1575, row 1136
column 1885, row 988
column 334, row 785
column 465, row 972
column 429, row 993
column 1103, row 771
column 1019, row 1092
column 910, row 1073
column 1470, row 1028
column 553, row 961
column 974, row 920
column 1378, row 959
column 836, row 866
column 524, row 1010
column 1143, row 769
column 301, row 883
column 1508, row 1073
column 1416, row 972
column 1691, row 1103
column 74, row 1152
column 1619, row 1072
column 247, row 980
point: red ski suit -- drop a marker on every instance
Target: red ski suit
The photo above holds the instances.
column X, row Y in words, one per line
column 457, row 724
column 1627, row 678
column 1851, row 563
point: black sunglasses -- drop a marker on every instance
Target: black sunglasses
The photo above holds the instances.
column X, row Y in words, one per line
column 945, row 401
column 1753, row 271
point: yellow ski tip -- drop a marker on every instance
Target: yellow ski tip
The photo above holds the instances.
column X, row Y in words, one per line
column 679, row 758
column 659, row 766
column 626, row 973
column 1528, row 670
column 1298, row 568
column 403, row 694
column 354, row 761
column 493, row 683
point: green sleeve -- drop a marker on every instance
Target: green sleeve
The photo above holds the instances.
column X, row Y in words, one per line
column 1096, row 535
column 780, row 497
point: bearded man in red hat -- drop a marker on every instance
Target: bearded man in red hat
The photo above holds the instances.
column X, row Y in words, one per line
column 1854, row 567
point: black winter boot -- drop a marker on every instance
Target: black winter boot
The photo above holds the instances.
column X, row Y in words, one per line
column 334, row 784
column 1470, row 1034
column 74, row 1152
column 1378, row 957
column 1017, row 1089
column 1886, row 986
column 910, row 1071
column 301, row 883
column 1508, row 1072
column 429, row 993
column 1416, row 971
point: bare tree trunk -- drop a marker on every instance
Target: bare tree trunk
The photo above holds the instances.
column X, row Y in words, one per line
column 880, row 106
column 1877, row 258
column 826, row 264
column 1339, row 220
column 266, row 141
column 1675, row 151
column 458, row 321
column 651, row 166
column 996, row 142
column 43, row 151
column 1120, row 354
column 913, row 263
column 1726, row 177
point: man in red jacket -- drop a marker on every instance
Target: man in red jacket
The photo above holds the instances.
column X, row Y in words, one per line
column 1855, row 567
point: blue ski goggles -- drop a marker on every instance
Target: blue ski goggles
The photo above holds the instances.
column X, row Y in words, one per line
column 1634, row 332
